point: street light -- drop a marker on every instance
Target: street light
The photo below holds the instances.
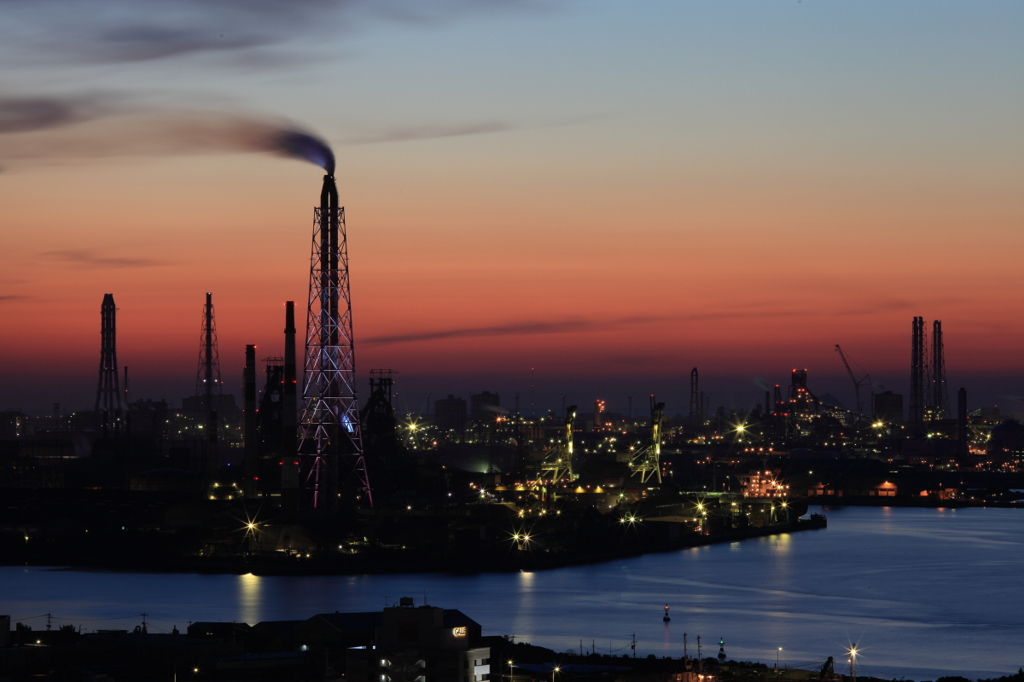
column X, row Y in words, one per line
column 777, row 659
column 853, row 663
column 511, row 669
column 553, row 671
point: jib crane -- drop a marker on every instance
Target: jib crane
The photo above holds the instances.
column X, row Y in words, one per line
column 647, row 460
column 863, row 381
column 557, row 464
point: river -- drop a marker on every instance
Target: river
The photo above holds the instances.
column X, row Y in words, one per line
column 921, row 592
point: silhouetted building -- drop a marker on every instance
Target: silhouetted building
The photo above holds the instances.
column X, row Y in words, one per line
column 888, row 407
column 148, row 417
column 424, row 643
column 450, row 414
column 484, row 407
column 228, row 411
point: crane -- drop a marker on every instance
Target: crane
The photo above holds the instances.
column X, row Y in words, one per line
column 647, row 460
column 863, row 381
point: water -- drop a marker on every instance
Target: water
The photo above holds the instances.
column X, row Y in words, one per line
column 921, row 592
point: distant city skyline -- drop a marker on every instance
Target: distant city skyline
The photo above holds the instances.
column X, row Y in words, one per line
column 608, row 194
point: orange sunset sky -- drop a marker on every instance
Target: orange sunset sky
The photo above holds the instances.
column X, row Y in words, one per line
column 587, row 197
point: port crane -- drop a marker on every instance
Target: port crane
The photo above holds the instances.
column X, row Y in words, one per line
column 647, row 460
column 857, row 383
column 557, row 464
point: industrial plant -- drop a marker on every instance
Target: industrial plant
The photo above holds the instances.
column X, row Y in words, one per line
column 300, row 477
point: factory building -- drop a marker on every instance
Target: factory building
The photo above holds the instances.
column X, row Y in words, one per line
column 888, row 407
column 484, row 407
column 421, row 643
column 450, row 414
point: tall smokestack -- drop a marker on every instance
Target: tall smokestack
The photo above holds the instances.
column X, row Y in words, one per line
column 289, row 416
column 330, row 425
column 940, row 394
column 917, row 373
column 961, row 423
column 695, row 415
column 249, row 468
column 108, row 393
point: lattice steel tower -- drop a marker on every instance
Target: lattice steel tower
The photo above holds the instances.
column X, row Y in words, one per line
column 108, row 393
column 939, row 393
column 208, row 385
column 329, row 430
column 918, row 368
column 208, row 382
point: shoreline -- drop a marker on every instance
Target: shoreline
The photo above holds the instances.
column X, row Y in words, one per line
column 908, row 502
column 386, row 561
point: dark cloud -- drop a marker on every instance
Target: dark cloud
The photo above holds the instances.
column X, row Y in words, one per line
column 580, row 325
column 142, row 42
column 11, row 297
column 140, row 30
column 27, row 114
column 91, row 260
column 519, row 329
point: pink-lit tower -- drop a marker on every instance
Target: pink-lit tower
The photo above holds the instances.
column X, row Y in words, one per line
column 330, row 437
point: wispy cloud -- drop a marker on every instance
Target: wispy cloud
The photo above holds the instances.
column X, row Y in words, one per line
column 516, row 329
column 27, row 114
column 90, row 259
column 122, row 31
column 12, row 297
column 880, row 306
column 427, row 132
column 577, row 326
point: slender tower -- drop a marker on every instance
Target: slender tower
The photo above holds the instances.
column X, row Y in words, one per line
column 208, row 373
column 917, row 373
column 208, row 384
column 940, row 393
column 289, row 416
column 695, row 416
column 250, row 455
column 961, row 423
column 329, row 430
column 108, row 393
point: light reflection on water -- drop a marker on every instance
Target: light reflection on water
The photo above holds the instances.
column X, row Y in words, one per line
column 920, row 590
column 250, row 598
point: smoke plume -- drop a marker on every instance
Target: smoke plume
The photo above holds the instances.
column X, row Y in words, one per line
column 75, row 127
column 305, row 146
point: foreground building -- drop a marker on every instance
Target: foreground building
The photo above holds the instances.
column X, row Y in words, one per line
column 421, row 644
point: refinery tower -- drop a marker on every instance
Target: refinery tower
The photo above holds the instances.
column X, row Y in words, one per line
column 330, row 437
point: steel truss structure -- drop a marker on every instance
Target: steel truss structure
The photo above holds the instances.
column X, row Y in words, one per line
column 647, row 460
column 108, row 393
column 939, row 392
column 208, row 381
column 208, row 385
column 329, row 431
column 557, row 464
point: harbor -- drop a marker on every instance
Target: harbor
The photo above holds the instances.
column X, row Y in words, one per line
column 813, row 594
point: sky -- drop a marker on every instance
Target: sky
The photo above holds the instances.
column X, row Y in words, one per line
column 543, row 197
